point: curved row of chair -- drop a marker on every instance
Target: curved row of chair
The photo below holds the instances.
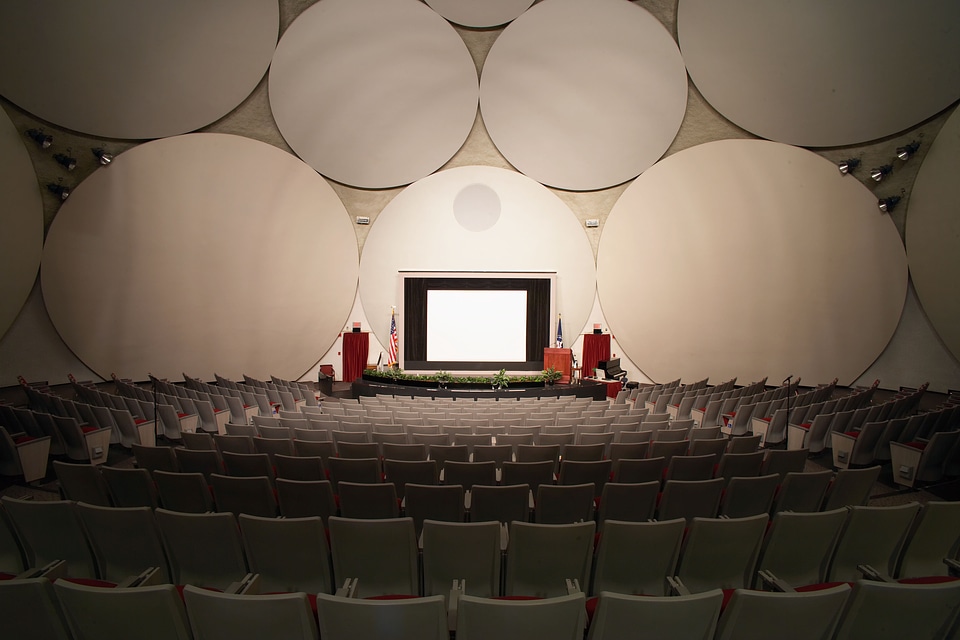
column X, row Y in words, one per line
column 625, row 488
column 630, row 558
column 34, row 608
column 109, row 543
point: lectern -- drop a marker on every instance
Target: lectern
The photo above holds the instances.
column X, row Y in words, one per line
column 559, row 359
column 356, row 347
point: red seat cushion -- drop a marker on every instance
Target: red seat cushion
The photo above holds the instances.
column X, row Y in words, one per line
column 852, row 434
column 917, row 445
column 88, row 429
column 22, row 439
column 592, row 608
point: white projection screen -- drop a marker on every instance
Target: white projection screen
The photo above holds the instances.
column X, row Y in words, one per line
column 476, row 326
column 475, row 322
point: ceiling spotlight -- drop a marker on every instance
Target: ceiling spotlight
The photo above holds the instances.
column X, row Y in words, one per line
column 43, row 140
column 888, row 204
column 101, row 155
column 880, row 173
column 906, row 151
column 69, row 163
column 848, row 165
column 59, row 190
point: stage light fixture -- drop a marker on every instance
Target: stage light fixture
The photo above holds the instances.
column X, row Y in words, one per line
column 888, row 204
column 848, row 165
column 66, row 161
column 102, row 156
column 907, row 151
column 43, row 140
column 59, row 190
column 880, row 173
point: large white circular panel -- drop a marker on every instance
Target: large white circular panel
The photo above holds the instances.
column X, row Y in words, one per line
column 373, row 93
column 22, row 213
column 750, row 258
column 124, row 69
column 822, row 73
column 201, row 253
column 583, row 94
column 933, row 234
column 488, row 13
column 420, row 230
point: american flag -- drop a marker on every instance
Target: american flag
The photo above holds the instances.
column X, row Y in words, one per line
column 394, row 341
column 559, row 332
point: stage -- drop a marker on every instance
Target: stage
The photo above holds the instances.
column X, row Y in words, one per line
column 370, row 386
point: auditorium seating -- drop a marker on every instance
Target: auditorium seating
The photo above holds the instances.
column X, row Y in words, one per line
column 783, row 550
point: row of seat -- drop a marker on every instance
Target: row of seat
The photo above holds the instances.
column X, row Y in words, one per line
column 630, row 557
column 388, row 557
column 36, row 609
column 746, row 484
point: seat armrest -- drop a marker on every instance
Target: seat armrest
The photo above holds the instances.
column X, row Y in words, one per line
column 51, row 571
column 453, row 603
column 148, row 577
column 953, row 566
column 348, row 590
column 249, row 585
column 773, row 583
column 869, row 573
column 677, row 588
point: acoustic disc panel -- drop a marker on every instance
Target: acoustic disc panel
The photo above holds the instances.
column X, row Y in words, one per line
column 201, row 253
column 373, row 93
column 933, row 234
column 821, row 73
column 479, row 219
column 583, row 94
column 753, row 259
column 123, row 69
column 22, row 212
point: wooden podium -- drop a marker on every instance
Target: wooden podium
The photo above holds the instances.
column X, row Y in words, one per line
column 559, row 359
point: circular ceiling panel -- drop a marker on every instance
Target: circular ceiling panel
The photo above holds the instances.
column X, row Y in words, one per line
column 123, row 69
column 583, row 94
column 22, row 239
column 819, row 73
column 373, row 93
column 750, row 258
column 201, row 253
column 489, row 13
column 525, row 228
column 933, row 234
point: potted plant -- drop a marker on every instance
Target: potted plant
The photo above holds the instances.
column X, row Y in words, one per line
column 550, row 375
column 443, row 378
column 500, row 380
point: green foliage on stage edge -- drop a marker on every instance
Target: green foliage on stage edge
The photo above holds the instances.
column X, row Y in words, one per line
column 499, row 379
column 550, row 374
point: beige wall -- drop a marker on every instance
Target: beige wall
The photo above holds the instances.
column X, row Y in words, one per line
column 915, row 353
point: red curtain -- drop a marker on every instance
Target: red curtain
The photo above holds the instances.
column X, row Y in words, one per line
column 356, row 346
column 596, row 347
